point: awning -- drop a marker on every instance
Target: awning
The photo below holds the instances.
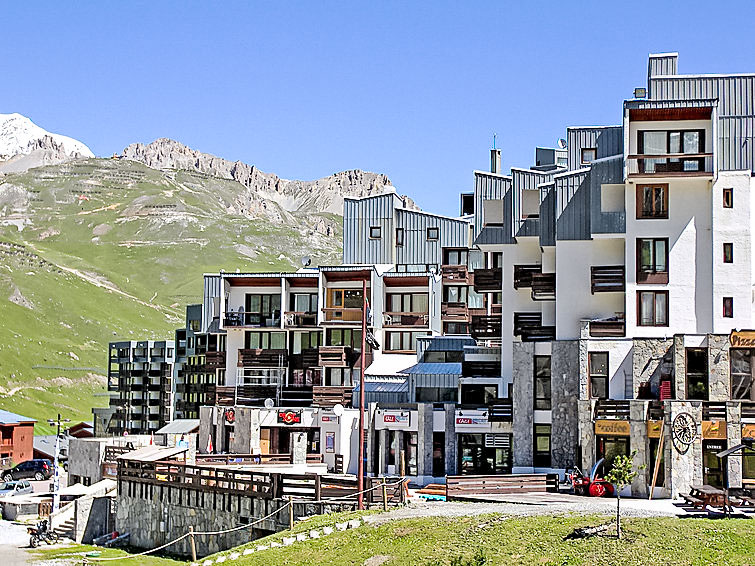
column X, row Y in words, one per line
column 152, row 453
column 390, row 364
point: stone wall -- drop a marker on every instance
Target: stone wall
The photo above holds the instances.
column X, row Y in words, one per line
column 85, row 457
column 586, row 435
column 718, row 367
column 652, row 358
column 565, row 378
column 639, row 444
column 734, row 438
column 523, row 401
column 684, row 468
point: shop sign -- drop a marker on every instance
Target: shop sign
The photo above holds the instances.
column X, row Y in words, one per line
column 654, row 429
column 714, row 430
column 230, row 415
column 471, row 420
column 330, row 442
column 399, row 418
column 748, row 431
column 612, row 427
column 327, row 419
column 742, row 338
column 289, row 417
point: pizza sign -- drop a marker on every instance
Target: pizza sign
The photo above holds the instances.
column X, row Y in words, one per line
column 289, row 417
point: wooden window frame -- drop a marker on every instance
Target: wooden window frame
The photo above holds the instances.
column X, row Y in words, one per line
column 582, row 155
column 728, row 198
column 437, row 234
column 651, row 277
column 639, row 308
column 728, row 307
column 728, row 252
column 375, row 230
column 640, row 213
column 606, row 377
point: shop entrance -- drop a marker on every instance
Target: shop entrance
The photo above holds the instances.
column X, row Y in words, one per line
column 479, row 455
column 714, row 472
column 608, row 447
column 277, row 440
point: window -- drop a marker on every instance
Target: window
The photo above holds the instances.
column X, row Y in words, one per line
column 589, row 154
column 304, row 302
column 436, row 395
column 676, row 142
column 402, row 341
column 652, row 201
column 374, row 232
column 652, row 260
column 455, row 293
column 454, row 256
column 407, row 303
column 543, row 383
column 455, row 328
column 442, row 357
column 597, row 366
column 652, row 308
column 399, row 236
column 728, row 198
column 341, row 377
column 608, row 447
column 478, row 395
column 345, row 337
column 433, row 233
column 542, row 440
column 697, row 373
column 728, row 252
column 262, row 310
column 741, row 374
column 728, row 307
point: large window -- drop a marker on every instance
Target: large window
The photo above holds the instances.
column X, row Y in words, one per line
column 543, row 383
column 262, row 310
column 455, row 293
column 304, row 302
column 674, row 142
column 454, row 256
column 345, row 337
column 344, row 299
column 407, row 303
column 478, row 394
column 652, row 201
column 265, row 341
column 436, row 395
column 608, row 447
column 402, row 341
column 652, row 308
column 598, row 368
column 341, row 377
column 741, row 361
column 455, row 328
column 442, row 357
column 541, row 457
column 697, row 373
column 652, row 260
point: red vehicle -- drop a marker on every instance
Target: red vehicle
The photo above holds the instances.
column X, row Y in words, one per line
column 594, row 485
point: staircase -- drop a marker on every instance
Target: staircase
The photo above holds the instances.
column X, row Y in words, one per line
column 67, row 529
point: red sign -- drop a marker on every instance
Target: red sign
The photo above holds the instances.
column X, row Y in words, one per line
column 230, row 416
column 289, row 417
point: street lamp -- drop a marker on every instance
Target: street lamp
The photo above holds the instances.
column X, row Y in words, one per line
column 56, row 476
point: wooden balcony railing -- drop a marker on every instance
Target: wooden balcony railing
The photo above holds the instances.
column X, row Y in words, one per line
column 670, row 164
column 250, row 395
column 524, row 320
column 215, row 360
column 612, row 409
column 405, row 318
column 607, row 279
column 454, row 312
column 455, row 274
column 523, row 275
column 259, row 358
column 252, row 319
column 329, row 396
column 543, row 286
column 300, row 319
column 607, row 328
column 308, row 358
column 486, row 327
column 341, row 314
column 334, row 356
column 488, row 280
column 713, row 411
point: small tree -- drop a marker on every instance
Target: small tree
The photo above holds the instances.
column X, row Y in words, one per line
column 621, row 475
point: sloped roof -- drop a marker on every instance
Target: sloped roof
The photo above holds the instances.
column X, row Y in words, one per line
column 6, row 417
column 427, row 368
column 180, row 426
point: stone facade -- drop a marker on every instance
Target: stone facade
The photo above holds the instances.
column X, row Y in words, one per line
column 523, row 400
column 718, row 368
column 652, row 359
column 564, row 417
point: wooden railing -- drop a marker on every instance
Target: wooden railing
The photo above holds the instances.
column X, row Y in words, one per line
column 480, row 487
column 405, row 318
column 543, row 286
column 308, row 358
column 612, row 409
column 244, row 395
column 334, row 356
column 523, row 275
column 112, row 452
column 670, row 164
column 254, row 459
column 455, row 273
column 488, row 280
column 607, row 328
column 329, row 396
column 713, row 411
column 484, row 327
column 300, row 319
column 342, row 314
column 607, row 279
column 214, row 360
column 454, row 312
column 260, row 358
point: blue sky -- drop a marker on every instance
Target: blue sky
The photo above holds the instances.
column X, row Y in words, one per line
column 412, row 90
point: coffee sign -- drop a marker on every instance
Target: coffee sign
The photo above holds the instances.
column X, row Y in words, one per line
column 289, row 417
column 742, row 338
column 612, row 427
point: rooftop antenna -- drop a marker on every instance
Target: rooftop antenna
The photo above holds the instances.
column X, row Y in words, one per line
column 562, row 143
column 306, row 261
column 494, row 135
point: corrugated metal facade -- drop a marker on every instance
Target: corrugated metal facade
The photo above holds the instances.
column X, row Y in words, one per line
column 662, row 64
column 548, row 215
column 213, row 287
column 608, row 141
column 573, row 206
column 359, row 215
column 605, row 172
column 526, row 180
column 442, row 344
column 736, row 111
column 417, row 248
column 487, row 186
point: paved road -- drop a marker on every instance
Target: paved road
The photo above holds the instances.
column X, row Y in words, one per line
column 14, row 541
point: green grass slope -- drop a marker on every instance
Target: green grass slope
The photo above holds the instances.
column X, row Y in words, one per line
column 97, row 250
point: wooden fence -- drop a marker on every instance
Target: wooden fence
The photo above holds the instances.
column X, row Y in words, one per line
column 478, row 487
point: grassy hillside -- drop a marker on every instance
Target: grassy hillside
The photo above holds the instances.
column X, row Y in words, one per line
column 100, row 249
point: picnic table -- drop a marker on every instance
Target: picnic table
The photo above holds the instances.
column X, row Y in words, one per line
column 703, row 496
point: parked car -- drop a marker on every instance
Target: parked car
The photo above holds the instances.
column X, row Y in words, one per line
column 32, row 469
column 19, row 487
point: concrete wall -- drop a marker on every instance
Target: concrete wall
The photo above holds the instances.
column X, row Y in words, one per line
column 85, row 458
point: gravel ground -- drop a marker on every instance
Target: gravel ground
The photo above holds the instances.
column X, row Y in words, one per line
column 13, row 541
column 528, row 506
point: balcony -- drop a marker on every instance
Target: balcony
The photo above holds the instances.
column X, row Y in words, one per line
column 501, row 411
column 456, row 274
column 329, row 396
column 481, row 369
column 486, row 327
column 248, row 395
column 300, row 319
column 607, row 328
column 528, row 326
column 523, row 275
column 454, row 312
column 334, row 356
column 215, row 360
column 349, row 315
column 397, row 319
column 244, row 319
column 488, row 280
column 259, row 358
column 670, row 165
column 308, row 358
column 607, row 279
column 543, row 286
column 611, row 409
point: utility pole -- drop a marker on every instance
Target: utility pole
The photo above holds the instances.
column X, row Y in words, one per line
column 360, row 468
column 56, row 473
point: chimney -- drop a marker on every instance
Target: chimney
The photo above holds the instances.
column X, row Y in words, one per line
column 495, row 160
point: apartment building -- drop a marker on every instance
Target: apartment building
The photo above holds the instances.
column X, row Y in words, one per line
column 624, row 277
column 16, row 439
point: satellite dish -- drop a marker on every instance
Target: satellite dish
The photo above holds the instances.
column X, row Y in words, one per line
column 562, row 143
column 338, row 409
column 269, row 403
column 306, row 261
